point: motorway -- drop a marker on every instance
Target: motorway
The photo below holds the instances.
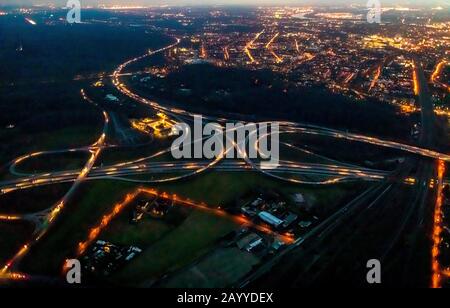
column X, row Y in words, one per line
column 332, row 173
column 43, row 220
column 436, row 76
column 416, row 216
column 286, row 127
column 317, row 255
column 362, row 204
column 289, row 257
column 125, row 173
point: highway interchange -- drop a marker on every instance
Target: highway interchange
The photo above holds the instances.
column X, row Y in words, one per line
column 325, row 174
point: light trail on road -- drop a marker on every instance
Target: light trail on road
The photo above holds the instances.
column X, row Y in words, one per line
column 216, row 210
column 10, row 218
column 278, row 59
column 437, row 71
column 349, row 78
column 437, row 74
column 13, row 276
column 96, row 148
column 370, row 140
column 272, row 40
column 226, row 54
column 131, row 197
column 436, row 280
column 350, row 173
column 249, row 46
column 95, row 232
column 376, row 77
column 51, row 214
column 288, row 126
column 416, row 84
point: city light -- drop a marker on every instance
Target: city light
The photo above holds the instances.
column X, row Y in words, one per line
column 131, row 197
column 362, row 119
column 437, row 230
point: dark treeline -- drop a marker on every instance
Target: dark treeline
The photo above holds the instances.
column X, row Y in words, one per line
column 63, row 51
column 46, row 107
column 42, row 110
column 205, row 87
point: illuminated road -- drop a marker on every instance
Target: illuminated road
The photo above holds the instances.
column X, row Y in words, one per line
column 270, row 49
column 435, row 77
column 326, row 174
column 125, row 173
column 44, row 219
column 215, row 210
column 320, row 232
column 416, row 216
column 288, row 127
column 322, row 246
column 437, row 270
column 249, row 46
column 299, row 128
column 376, row 77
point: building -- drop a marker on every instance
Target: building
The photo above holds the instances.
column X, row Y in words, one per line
column 250, row 242
column 161, row 127
column 277, row 244
column 298, row 199
column 254, row 244
column 270, row 219
column 289, row 219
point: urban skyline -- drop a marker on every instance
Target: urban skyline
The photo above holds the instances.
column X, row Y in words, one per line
column 225, row 2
